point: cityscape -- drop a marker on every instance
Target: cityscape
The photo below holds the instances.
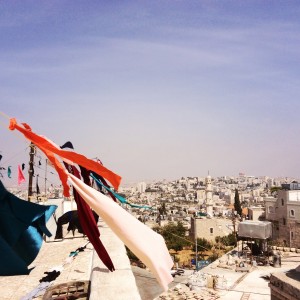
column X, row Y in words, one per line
column 202, row 211
column 149, row 150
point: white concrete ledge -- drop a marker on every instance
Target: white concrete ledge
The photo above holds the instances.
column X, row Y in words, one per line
column 119, row 284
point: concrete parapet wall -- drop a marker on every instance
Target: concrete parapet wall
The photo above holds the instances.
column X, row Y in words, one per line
column 286, row 249
column 285, row 285
column 119, row 284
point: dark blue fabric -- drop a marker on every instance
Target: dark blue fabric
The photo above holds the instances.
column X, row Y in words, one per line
column 22, row 225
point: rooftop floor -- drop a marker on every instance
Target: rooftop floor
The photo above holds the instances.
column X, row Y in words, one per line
column 131, row 282
column 51, row 256
column 255, row 283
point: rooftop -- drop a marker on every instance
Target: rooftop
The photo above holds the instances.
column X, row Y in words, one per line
column 135, row 283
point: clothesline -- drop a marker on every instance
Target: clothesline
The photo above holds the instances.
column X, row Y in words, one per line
column 4, row 124
column 7, row 164
column 146, row 244
column 9, row 160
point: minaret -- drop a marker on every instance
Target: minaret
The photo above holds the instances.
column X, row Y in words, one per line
column 208, row 192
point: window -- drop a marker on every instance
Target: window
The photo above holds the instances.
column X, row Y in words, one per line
column 211, row 230
column 282, row 202
column 271, row 209
column 292, row 235
column 284, row 221
column 292, row 213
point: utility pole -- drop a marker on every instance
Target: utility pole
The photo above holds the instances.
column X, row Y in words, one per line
column 196, row 260
column 30, row 171
column 46, row 178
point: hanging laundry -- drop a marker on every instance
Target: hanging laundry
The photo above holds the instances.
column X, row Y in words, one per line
column 21, row 177
column 67, row 145
column 49, row 148
column 87, row 219
column 1, row 168
column 22, row 225
column 116, row 195
column 145, row 243
column 9, row 171
column 103, row 185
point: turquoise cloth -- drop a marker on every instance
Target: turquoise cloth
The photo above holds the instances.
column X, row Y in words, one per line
column 120, row 198
column 22, row 225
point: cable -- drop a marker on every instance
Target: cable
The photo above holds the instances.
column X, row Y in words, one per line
column 5, row 126
column 190, row 241
column 11, row 158
column 4, row 115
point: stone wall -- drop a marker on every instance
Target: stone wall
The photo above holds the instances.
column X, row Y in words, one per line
column 210, row 228
column 119, row 284
column 285, row 285
column 290, row 233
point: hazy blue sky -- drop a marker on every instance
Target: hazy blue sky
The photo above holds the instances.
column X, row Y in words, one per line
column 156, row 89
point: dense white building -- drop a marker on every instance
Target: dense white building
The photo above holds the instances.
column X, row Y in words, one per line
column 141, row 187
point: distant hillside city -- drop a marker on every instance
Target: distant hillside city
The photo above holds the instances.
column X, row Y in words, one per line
column 238, row 222
column 205, row 205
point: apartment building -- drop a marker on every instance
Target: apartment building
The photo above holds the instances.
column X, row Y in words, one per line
column 284, row 213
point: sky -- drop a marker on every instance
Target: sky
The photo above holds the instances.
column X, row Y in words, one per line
column 155, row 89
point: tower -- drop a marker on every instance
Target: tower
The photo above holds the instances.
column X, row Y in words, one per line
column 209, row 198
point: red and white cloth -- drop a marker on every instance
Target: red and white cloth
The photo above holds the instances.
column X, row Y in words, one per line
column 145, row 243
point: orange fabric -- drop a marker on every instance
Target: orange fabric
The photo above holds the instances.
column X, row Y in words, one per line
column 60, row 170
column 49, row 149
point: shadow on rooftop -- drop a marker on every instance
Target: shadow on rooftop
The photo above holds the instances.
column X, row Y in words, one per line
column 102, row 270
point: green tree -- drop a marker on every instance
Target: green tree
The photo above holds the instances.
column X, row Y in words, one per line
column 228, row 240
column 203, row 244
column 275, row 189
column 237, row 203
column 174, row 235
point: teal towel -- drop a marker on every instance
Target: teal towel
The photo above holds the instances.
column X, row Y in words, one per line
column 22, row 225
